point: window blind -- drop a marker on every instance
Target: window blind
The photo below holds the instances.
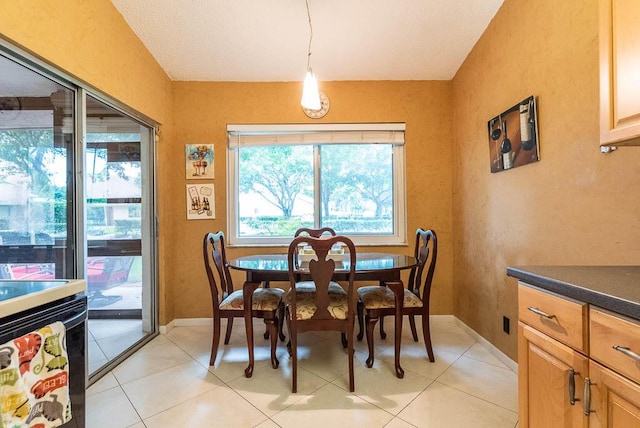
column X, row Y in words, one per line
column 301, row 134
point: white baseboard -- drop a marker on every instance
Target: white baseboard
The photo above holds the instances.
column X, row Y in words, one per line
column 190, row 322
column 512, row 365
column 164, row 329
column 184, row 322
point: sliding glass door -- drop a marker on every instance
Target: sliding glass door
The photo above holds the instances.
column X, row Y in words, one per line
column 77, row 201
column 37, row 137
column 119, row 229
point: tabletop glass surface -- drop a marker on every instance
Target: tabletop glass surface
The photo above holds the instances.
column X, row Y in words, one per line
column 364, row 262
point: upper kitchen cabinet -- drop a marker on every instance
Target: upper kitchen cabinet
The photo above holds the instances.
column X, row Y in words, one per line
column 620, row 72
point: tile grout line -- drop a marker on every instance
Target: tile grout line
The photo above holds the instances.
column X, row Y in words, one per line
column 224, row 383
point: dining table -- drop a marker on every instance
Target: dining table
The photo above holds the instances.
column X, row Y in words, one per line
column 370, row 266
column 384, row 268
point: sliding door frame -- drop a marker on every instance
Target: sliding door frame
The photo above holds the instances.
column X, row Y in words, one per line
column 77, row 187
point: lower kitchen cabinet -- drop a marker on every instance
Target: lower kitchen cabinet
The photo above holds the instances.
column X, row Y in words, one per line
column 578, row 346
column 614, row 400
column 550, row 381
column 578, row 365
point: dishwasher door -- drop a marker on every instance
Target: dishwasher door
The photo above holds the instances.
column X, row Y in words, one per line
column 72, row 312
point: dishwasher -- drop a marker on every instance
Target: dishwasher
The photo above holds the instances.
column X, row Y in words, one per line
column 26, row 306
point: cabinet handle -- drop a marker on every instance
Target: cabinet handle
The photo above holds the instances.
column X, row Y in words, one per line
column 541, row 313
column 572, row 387
column 586, row 404
column 628, row 352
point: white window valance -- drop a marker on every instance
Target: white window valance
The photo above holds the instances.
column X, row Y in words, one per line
column 330, row 133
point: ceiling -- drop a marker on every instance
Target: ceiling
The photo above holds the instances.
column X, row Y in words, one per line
column 267, row 40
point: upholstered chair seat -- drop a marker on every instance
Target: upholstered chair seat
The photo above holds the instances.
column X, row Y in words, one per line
column 378, row 297
column 264, row 299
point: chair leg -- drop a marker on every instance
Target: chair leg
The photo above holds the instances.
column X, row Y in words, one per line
column 426, row 333
column 215, row 339
column 227, row 335
column 281, row 322
column 352, row 386
column 343, row 339
column 360, row 308
column 273, row 333
column 370, row 323
column 248, row 372
column 247, row 301
column 294, row 361
column 397, row 343
column 412, row 323
column 289, row 329
column 398, row 294
column 383, row 335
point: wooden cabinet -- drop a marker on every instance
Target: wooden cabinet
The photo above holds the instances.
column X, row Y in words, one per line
column 615, row 393
column 558, row 317
column 615, row 342
column 552, row 367
column 550, row 379
column 619, row 72
column 578, row 366
column 614, row 401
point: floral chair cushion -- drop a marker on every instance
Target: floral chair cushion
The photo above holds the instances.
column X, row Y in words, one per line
column 264, row 299
column 310, row 287
column 378, row 297
column 306, row 306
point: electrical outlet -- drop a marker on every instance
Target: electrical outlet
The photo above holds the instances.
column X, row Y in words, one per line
column 506, row 325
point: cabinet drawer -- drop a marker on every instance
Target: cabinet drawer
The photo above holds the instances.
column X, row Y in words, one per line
column 608, row 331
column 562, row 318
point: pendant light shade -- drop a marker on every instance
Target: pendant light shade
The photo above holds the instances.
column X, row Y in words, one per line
column 310, row 95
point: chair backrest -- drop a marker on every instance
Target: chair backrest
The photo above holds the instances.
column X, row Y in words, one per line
column 215, row 260
column 321, row 271
column 316, row 233
column 426, row 252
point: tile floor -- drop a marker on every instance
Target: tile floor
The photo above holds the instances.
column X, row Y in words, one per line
column 168, row 383
column 109, row 338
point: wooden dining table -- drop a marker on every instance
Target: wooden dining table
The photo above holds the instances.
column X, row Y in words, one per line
column 370, row 266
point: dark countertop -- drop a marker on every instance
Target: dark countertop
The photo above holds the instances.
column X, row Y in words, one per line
column 616, row 288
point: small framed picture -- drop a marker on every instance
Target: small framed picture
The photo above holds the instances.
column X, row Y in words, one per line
column 513, row 136
column 199, row 161
column 200, row 202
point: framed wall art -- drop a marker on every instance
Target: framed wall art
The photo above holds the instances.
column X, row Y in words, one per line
column 513, row 136
column 200, row 202
column 199, row 161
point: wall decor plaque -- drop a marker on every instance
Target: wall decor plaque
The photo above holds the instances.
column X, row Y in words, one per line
column 513, row 136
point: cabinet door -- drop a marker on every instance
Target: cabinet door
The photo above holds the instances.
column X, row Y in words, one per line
column 550, row 381
column 619, row 77
column 615, row 400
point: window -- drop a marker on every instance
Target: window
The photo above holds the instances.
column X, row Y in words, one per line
column 348, row 177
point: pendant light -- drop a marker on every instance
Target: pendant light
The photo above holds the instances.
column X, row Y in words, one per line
column 310, row 95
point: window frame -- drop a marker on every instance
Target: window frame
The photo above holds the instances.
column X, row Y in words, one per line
column 396, row 138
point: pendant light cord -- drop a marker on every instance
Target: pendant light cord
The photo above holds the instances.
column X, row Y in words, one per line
column 310, row 36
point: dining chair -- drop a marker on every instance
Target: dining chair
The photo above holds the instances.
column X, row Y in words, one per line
column 392, row 299
column 316, row 233
column 265, row 303
column 308, row 286
column 319, row 309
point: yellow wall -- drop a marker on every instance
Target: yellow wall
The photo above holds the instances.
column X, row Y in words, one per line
column 202, row 111
column 574, row 207
column 91, row 41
